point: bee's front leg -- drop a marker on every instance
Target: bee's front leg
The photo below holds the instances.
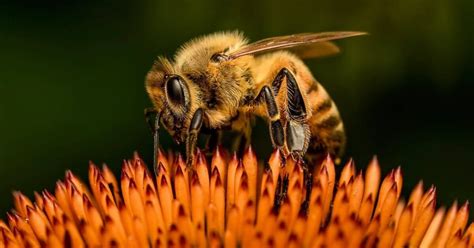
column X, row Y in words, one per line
column 191, row 139
column 154, row 126
column 149, row 112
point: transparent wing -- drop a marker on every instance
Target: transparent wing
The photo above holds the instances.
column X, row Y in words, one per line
column 293, row 41
column 315, row 50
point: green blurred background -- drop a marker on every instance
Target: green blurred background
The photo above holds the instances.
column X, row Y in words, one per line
column 71, row 81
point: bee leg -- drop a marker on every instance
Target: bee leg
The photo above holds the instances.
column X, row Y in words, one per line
column 276, row 128
column 191, row 139
column 154, row 126
column 149, row 112
column 297, row 129
column 276, row 84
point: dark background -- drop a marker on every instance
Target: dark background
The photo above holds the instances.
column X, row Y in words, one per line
column 71, row 81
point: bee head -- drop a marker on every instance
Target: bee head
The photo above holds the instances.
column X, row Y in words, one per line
column 171, row 95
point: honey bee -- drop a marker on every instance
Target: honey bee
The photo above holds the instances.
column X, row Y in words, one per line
column 220, row 81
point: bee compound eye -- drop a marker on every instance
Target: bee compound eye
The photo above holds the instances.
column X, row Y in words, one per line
column 175, row 90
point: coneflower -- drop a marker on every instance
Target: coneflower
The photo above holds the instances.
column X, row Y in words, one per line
column 234, row 202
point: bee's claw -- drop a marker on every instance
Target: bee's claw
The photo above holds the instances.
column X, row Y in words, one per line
column 297, row 156
column 283, row 154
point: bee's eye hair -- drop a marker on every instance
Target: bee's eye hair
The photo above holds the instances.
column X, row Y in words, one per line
column 218, row 57
column 175, row 90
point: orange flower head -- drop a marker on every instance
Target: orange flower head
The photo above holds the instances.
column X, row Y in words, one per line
column 235, row 202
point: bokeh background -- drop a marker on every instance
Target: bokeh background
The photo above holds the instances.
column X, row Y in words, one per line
column 71, row 81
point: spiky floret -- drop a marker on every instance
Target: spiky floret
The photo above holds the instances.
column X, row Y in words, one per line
column 231, row 202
